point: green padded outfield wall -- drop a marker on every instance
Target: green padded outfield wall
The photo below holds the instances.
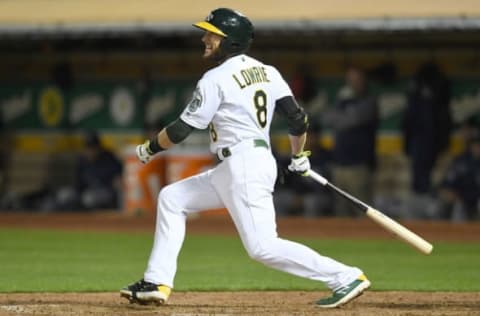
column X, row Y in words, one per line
column 119, row 105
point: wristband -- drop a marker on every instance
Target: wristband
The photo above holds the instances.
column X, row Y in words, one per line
column 154, row 147
column 305, row 153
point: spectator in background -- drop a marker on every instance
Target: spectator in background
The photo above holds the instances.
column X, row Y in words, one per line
column 354, row 120
column 460, row 188
column 302, row 84
column 304, row 89
column 97, row 181
column 427, row 123
column 468, row 130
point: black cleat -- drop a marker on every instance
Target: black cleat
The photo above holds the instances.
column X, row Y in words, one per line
column 144, row 293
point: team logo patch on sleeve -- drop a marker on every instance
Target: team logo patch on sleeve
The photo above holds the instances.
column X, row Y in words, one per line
column 196, row 101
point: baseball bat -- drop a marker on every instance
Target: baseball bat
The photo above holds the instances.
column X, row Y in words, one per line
column 378, row 217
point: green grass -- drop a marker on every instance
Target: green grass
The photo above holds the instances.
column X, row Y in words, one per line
column 34, row 260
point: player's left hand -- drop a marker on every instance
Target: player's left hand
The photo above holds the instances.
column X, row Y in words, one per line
column 143, row 152
column 300, row 164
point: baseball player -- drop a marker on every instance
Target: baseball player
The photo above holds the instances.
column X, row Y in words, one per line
column 236, row 100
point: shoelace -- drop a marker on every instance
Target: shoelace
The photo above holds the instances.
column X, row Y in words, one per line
column 139, row 285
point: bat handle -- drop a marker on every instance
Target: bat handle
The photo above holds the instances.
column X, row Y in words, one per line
column 315, row 176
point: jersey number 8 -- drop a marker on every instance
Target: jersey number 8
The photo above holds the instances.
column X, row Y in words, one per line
column 260, row 102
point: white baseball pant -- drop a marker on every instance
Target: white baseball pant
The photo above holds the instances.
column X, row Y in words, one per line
column 243, row 183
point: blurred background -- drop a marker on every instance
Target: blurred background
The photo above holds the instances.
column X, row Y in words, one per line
column 392, row 89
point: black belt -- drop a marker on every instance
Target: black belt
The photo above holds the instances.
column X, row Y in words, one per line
column 226, row 152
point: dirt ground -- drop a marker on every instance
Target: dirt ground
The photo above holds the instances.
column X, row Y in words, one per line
column 242, row 303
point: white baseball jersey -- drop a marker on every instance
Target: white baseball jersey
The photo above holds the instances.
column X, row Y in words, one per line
column 236, row 100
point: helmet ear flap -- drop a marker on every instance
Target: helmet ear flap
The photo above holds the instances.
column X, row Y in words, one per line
column 227, row 45
column 230, row 46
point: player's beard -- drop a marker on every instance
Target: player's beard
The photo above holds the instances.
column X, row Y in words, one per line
column 216, row 55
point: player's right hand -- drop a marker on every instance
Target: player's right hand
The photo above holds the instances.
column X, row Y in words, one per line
column 300, row 163
column 143, row 152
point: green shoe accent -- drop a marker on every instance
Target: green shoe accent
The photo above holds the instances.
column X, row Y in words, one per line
column 345, row 294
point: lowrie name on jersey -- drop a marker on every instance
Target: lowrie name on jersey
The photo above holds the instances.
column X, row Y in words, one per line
column 250, row 76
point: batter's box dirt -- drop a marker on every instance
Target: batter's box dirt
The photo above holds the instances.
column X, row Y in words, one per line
column 242, row 303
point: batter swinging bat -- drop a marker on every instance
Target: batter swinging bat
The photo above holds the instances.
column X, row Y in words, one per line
column 378, row 217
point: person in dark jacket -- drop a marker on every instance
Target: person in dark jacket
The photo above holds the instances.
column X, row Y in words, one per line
column 98, row 175
column 97, row 182
column 427, row 123
column 354, row 120
column 460, row 188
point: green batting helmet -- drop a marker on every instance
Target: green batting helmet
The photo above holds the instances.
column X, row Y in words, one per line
column 236, row 29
